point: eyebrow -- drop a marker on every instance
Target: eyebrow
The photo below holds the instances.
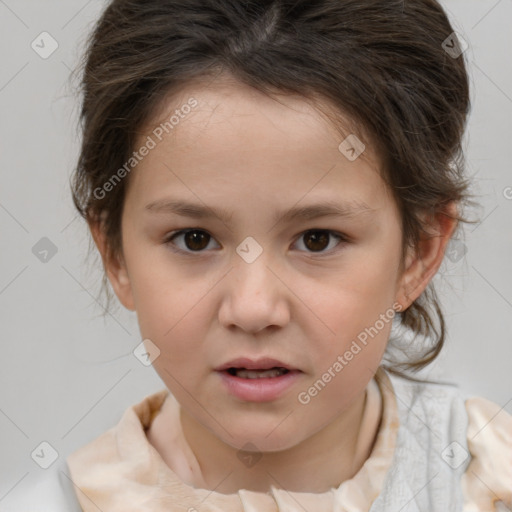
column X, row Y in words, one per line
column 313, row 211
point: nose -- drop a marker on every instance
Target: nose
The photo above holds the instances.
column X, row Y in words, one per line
column 254, row 298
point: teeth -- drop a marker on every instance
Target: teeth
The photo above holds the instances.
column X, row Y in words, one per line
column 260, row 374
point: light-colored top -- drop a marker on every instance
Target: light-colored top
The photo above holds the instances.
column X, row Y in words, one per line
column 420, row 460
column 434, row 451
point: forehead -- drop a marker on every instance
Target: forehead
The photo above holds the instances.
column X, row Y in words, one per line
column 235, row 135
column 226, row 103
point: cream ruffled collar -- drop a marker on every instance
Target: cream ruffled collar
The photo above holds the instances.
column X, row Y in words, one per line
column 121, row 471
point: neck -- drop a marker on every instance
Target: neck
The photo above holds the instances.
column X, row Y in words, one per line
column 324, row 460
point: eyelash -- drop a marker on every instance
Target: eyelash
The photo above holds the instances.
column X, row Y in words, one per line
column 169, row 240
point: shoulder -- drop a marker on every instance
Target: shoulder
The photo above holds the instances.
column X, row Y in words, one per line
column 49, row 490
column 488, row 479
column 431, row 405
column 469, row 440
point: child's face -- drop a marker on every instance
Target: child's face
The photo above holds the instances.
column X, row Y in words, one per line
column 303, row 301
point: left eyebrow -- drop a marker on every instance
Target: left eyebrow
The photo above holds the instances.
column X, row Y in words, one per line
column 326, row 209
column 308, row 212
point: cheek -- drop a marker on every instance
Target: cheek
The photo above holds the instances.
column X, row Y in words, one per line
column 344, row 367
column 357, row 306
column 168, row 306
column 357, row 296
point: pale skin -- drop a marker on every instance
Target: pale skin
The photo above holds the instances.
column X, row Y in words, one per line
column 256, row 158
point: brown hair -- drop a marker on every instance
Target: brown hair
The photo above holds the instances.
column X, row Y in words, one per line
column 381, row 63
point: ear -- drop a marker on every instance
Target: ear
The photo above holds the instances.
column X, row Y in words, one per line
column 114, row 266
column 423, row 262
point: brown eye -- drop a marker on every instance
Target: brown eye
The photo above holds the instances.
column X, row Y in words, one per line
column 194, row 240
column 318, row 240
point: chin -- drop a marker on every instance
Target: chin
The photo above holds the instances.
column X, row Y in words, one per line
column 255, row 437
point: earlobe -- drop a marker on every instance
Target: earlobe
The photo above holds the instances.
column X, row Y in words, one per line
column 115, row 268
column 120, row 281
column 423, row 263
column 405, row 284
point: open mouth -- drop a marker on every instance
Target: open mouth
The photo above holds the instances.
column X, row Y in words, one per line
column 243, row 373
column 253, row 384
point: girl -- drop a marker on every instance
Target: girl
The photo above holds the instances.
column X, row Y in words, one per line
column 272, row 185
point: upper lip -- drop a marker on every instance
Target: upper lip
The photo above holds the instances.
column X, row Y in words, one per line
column 264, row 363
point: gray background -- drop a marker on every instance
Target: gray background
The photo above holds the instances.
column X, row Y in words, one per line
column 66, row 375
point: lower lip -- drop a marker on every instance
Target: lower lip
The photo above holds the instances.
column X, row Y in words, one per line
column 259, row 390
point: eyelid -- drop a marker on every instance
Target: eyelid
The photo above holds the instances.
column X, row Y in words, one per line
column 343, row 240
